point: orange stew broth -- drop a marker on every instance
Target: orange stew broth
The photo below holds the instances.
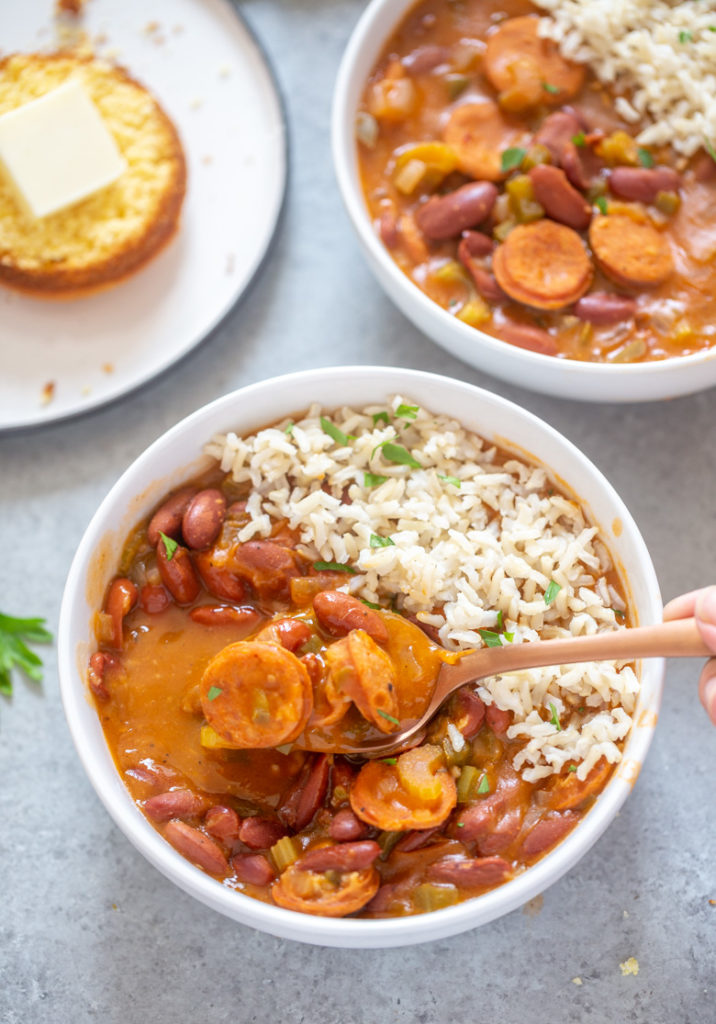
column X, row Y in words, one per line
column 672, row 317
column 405, row 834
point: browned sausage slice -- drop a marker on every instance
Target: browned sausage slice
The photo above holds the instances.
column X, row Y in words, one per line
column 314, row 893
column 561, row 201
column 339, row 613
column 528, row 71
column 544, row 265
column 631, row 252
column 359, row 669
column 479, row 132
column 256, row 695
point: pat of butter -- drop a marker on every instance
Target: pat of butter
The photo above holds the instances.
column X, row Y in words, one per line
column 56, row 150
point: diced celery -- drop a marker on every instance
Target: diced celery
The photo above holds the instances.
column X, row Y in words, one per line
column 409, row 177
column 668, row 202
column 467, row 783
column 386, row 841
column 367, row 129
column 456, row 83
column 429, row 897
column 285, row 852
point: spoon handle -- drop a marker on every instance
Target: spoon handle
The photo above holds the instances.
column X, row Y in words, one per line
column 679, row 638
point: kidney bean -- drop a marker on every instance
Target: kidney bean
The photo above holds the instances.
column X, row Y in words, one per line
column 177, row 803
column 343, row 857
column 168, row 517
column 153, row 774
column 473, row 873
column 470, row 713
column 497, row 719
column 252, row 868
column 476, row 821
column 224, row 615
column 153, row 598
column 556, row 131
column 197, row 847
column 561, row 200
column 525, row 336
column 222, row 823
column 446, row 216
column 288, row 633
column 260, row 833
column 121, row 598
column 100, row 664
column 485, row 282
column 388, row 229
column 643, row 184
column 547, row 832
column 431, row 632
column 218, row 580
column 268, row 567
column 339, row 613
column 383, row 898
column 203, row 518
column 178, row 574
column 704, row 167
column 425, row 59
column 306, row 794
column 573, row 163
column 475, row 243
column 502, row 835
column 346, row 826
column 415, row 839
column 605, row 308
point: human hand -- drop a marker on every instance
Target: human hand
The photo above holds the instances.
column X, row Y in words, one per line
column 702, row 605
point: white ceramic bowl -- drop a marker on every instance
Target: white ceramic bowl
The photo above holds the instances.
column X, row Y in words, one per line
column 567, row 378
column 174, row 458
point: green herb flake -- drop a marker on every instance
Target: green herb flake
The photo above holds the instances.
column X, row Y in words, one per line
column 580, row 139
column 333, row 431
column 712, row 28
column 384, row 714
column 288, row 429
column 710, row 150
column 407, row 412
column 396, row 453
column 381, row 417
column 170, row 545
column 571, row 767
column 555, row 717
column 449, row 480
column 601, row 202
column 373, row 479
column 381, row 542
column 213, row 692
column 548, row 87
column 14, row 635
column 484, row 786
column 551, row 592
column 491, row 638
column 619, row 612
column 509, row 637
column 389, row 760
column 461, row 824
column 333, row 567
column 512, row 158
column 369, row 604
column 685, row 36
column 500, row 620
column 645, row 157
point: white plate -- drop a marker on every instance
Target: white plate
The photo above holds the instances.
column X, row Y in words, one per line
column 208, row 73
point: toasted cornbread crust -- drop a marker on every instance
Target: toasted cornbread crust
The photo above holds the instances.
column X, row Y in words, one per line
column 112, row 233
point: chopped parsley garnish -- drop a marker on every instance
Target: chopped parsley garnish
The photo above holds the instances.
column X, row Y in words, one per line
column 461, row 824
column 548, row 87
column 373, row 479
column 551, row 592
column 14, row 652
column 484, row 786
column 288, row 429
column 712, row 28
column 685, row 36
column 369, row 604
column 500, row 620
column 449, row 479
column 619, row 612
column 512, row 158
column 645, row 157
column 380, row 417
column 333, row 431
column 579, row 139
column 381, row 542
column 213, row 692
column 491, row 638
column 709, row 149
column 555, row 717
column 384, row 714
column 389, row 760
column 333, row 567
column 509, row 637
column 571, row 767
column 396, row 453
column 601, row 202
column 170, row 545
column 407, row 412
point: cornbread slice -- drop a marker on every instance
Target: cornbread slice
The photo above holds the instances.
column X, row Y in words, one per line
column 114, row 231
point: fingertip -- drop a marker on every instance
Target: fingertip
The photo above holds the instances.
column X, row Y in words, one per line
column 707, row 689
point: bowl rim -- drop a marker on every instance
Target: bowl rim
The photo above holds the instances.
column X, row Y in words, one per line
column 344, row 151
column 108, row 785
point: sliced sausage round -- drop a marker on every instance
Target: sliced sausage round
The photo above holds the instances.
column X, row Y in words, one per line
column 543, row 264
column 339, row 613
column 631, row 252
column 527, row 70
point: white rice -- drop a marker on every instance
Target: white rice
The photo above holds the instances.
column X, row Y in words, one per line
column 460, row 555
column 662, row 55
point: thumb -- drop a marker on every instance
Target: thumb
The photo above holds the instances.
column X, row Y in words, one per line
column 705, row 614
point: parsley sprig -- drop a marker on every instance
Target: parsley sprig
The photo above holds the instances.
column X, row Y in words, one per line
column 15, row 634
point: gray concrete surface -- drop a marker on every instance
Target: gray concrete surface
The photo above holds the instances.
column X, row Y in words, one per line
column 89, row 931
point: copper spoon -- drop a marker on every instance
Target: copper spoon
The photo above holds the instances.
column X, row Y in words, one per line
column 677, row 639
